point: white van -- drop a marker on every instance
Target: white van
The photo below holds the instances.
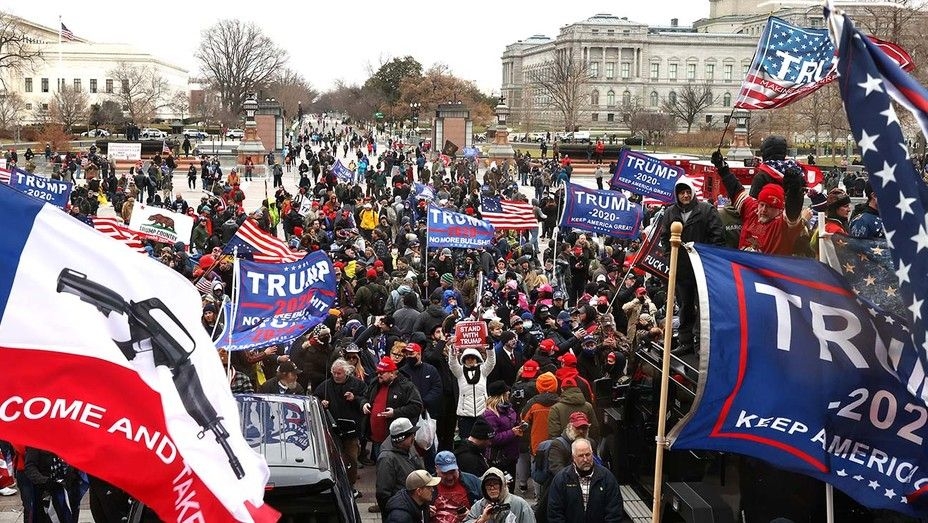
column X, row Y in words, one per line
column 579, row 136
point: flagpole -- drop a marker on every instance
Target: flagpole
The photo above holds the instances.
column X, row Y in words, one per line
column 829, row 490
column 233, row 310
column 676, row 228
column 58, row 80
column 557, row 230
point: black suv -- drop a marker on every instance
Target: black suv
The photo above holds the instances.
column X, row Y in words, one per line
column 308, row 480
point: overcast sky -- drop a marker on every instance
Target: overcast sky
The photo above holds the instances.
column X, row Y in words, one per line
column 330, row 41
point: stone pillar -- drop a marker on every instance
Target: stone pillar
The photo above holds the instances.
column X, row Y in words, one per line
column 251, row 146
column 740, row 148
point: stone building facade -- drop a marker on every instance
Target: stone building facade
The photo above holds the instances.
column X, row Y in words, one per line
column 85, row 65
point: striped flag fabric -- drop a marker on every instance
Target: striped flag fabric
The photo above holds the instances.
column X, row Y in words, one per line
column 254, row 243
column 5, row 175
column 792, row 62
column 114, row 228
column 66, row 33
column 164, row 147
column 508, row 214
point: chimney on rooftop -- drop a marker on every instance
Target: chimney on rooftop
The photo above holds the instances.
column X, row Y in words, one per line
column 674, row 22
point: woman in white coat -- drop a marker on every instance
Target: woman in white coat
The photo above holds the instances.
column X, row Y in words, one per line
column 471, row 370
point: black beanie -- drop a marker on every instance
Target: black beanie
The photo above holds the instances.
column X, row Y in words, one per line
column 773, row 148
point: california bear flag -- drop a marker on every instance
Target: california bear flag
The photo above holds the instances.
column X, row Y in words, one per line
column 106, row 364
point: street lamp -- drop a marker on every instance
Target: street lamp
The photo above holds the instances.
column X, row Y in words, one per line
column 414, row 107
column 849, row 147
column 250, row 106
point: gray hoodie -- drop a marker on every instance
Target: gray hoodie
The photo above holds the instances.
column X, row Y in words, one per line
column 519, row 509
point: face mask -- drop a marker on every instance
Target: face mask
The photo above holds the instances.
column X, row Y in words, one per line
column 416, row 259
column 411, row 360
column 527, row 324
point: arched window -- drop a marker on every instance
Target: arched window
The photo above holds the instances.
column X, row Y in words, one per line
column 610, row 98
column 655, row 99
column 626, row 98
column 594, row 97
column 672, row 97
column 726, row 100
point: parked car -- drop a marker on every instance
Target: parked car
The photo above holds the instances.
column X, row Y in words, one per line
column 195, row 134
column 96, row 133
column 235, row 134
column 153, row 134
column 579, row 137
column 308, row 481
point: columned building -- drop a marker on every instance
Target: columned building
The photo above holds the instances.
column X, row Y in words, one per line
column 84, row 65
column 632, row 66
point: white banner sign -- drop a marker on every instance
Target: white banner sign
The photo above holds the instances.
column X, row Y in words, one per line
column 124, row 151
column 160, row 224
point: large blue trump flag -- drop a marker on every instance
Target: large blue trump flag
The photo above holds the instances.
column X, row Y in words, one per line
column 799, row 372
column 453, row 229
column 277, row 302
column 602, row 212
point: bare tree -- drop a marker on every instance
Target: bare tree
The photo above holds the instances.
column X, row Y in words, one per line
column 291, row 89
column 238, row 58
column 688, row 103
column 41, row 114
column 140, row 90
column 904, row 22
column 17, row 50
column 562, row 79
column 107, row 113
column 11, row 111
column 652, row 126
column 69, row 106
column 180, row 102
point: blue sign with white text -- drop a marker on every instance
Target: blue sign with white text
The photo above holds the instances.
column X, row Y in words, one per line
column 454, row 229
column 341, row 172
column 647, row 176
column 602, row 212
column 781, row 325
column 278, row 302
column 55, row 192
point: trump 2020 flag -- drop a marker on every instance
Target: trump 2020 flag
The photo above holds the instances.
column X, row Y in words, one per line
column 602, row 212
column 869, row 81
column 114, row 371
column 341, row 172
column 776, row 325
column 646, row 175
column 792, row 62
column 453, row 229
column 277, row 302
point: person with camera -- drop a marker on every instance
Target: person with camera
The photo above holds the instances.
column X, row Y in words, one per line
column 498, row 504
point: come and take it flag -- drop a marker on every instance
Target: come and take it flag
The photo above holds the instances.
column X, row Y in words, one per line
column 275, row 303
column 508, row 214
column 254, row 243
column 777, row 324
column 116, row 363
column 792, row 62
column 868, row 79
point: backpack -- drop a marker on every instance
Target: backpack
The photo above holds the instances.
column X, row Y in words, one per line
column 540, row 473
column 379, row 301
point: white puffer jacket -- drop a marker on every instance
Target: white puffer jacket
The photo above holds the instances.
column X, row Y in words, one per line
column 472, row 399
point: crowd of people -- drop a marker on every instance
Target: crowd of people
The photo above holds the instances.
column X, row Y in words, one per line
column 516, row 418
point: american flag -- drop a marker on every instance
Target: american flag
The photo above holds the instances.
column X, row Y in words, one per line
column 868, row 268
column 164, row 147
column 508, row 214
column 114, row 228
column 869, row 81
column 5, row 175
column 66, row 33
column 256, row 244
column 780, row 73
